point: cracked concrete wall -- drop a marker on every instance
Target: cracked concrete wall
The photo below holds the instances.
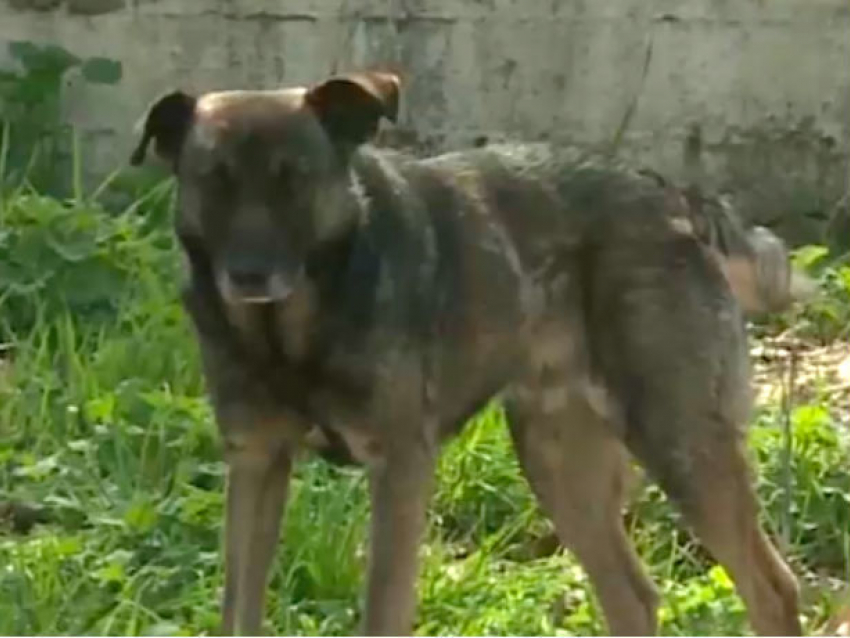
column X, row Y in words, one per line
column 750, row 95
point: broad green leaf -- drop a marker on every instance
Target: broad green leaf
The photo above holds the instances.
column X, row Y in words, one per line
column 102, row 71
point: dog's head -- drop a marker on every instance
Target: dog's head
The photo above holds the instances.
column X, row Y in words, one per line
column 263, row 176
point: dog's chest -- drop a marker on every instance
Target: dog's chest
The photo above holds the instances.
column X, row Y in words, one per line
column 341, row 407
column 339, row 375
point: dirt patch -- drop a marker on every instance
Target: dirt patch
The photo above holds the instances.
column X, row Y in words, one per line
column 806, row 373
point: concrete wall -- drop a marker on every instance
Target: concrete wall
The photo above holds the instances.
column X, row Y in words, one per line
column 753, row 95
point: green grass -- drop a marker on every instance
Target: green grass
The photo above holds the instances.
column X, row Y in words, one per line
column 106, row 440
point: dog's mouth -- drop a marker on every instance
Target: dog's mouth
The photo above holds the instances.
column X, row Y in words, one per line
column 257, row 289
column 257, row 299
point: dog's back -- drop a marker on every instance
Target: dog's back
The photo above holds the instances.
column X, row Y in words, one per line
column 483, row 247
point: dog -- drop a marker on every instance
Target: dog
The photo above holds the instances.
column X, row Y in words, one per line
column 368, row 303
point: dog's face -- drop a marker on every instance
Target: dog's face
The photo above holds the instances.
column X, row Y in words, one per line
column 263, row 175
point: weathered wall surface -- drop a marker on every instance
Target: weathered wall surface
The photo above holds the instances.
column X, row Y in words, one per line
column 752, row 94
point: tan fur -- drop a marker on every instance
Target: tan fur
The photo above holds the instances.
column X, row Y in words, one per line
column 741, row 275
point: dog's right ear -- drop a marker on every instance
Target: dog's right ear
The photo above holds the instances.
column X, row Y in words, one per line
column 166, row 123
column 350, row 106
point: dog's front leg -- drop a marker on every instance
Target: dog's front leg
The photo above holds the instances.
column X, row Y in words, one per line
column 400, row 487
column 259, row 443
column 257, row 486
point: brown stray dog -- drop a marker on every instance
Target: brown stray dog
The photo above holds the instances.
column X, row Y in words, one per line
column 370, row 303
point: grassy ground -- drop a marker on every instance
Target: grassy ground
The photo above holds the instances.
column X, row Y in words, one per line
column 110, row 478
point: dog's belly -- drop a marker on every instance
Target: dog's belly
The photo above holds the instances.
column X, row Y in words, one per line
column 461, row 375
column 343, row 446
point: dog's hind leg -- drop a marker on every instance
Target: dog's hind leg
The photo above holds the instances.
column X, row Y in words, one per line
column 686, row 398
column 708, row 477
column 576, row 467
column 257, row 485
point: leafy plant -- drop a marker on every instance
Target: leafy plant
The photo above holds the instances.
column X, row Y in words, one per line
column 827, row 316
column 38, row 144
column 74, row 258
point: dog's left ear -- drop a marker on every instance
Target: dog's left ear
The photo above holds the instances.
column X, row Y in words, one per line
column 351, row 106
column 166, row 123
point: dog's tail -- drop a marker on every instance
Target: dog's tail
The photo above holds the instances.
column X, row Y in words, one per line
column 763, row 278
column 755, row 262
